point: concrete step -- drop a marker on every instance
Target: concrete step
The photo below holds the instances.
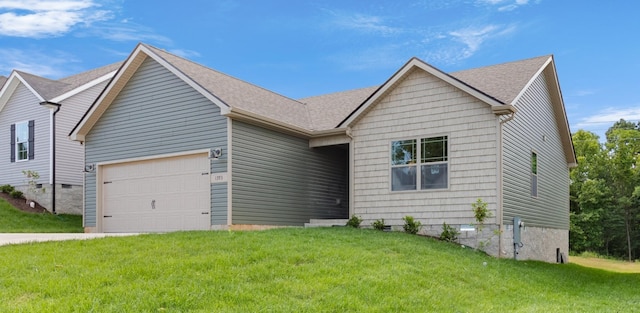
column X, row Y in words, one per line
column 326, row 223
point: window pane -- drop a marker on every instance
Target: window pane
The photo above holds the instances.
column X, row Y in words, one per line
column 403, row 178
column 434, row 149
column 434, row 176
column 403, row 152
column 22, row 151
column 534, row 163
column 534, row 185
column 22, row 132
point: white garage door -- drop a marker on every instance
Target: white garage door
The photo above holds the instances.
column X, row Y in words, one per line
column 157, row 195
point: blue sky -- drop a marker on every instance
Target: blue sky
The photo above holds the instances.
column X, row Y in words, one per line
column 304, row 48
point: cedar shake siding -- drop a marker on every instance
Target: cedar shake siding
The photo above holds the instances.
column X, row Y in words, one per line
column 422, row 106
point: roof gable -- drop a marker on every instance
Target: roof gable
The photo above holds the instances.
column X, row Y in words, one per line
column 241, row 96
column 54, row 90
column 417, row 64
column 232, row 95
column 10, row 86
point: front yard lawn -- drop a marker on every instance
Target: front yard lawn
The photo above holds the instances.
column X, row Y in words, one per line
column 295, row 270
column 13, row 220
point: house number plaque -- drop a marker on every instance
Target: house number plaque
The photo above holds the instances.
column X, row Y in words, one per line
column 219, row 177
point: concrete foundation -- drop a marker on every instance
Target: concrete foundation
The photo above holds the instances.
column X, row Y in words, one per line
column 68, row 197
column 538, row 243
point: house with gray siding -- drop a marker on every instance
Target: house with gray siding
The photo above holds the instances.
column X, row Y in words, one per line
column 29, row 134
column 173, row 145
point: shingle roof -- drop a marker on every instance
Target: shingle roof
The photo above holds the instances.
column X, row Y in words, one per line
column 2, row 80
column 504, row 81
column 327, row 111
column 49, row 88
column 239, row 94
column 46, row 88
column 77, row 80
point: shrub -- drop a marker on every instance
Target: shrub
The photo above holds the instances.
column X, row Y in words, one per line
column 411, row 226
column 449, row 233
column 354, row 221
column 16, row 194
column 378, row 224
column 480, row 211
column 7, row 188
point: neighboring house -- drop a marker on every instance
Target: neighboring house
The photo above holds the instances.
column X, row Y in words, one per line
column 28, row 143
column 173, row 145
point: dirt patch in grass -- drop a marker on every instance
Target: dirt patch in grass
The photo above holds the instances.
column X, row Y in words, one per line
column 605, row 264
column 22, row 205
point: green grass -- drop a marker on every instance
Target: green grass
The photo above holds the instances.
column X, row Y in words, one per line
column 13, row 220
column 295, row 270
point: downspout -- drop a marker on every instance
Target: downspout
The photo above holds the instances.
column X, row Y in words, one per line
column 352, row 200
column 501, row 180
column 52, row 105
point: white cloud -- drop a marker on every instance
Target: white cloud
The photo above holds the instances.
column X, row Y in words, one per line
column 364, row 23
column 51, row 64
column 472, row 38
column 505, row 5
column 32, row 18
column 129, row 32
column 607, row 117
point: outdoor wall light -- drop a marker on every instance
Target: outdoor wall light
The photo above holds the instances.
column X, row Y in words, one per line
column 215, row 153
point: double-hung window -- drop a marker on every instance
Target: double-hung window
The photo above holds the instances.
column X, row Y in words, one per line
column 22, row 141
column 420, row 164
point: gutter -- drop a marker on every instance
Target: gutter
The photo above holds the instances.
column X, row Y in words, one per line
column 244, row 115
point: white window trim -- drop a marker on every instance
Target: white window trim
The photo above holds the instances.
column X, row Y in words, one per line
column 15, row 147
column 419, row 164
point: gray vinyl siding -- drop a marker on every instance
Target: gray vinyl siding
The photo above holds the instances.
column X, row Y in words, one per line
column 24, row 106
column 279, row 180
column 155, row 113
column 219, row 204
column 421, row 106
column 522, row 135
column 70, row 154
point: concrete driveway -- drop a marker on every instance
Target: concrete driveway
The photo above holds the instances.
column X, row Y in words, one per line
column 15, row 238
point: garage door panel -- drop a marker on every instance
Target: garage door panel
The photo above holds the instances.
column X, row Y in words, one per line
column 157, row 195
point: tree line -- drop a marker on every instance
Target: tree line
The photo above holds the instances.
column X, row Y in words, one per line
column 605, row 192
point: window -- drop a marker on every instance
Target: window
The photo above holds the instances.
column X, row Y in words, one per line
column 22, row 141
column 534, row 174
column 423, row 168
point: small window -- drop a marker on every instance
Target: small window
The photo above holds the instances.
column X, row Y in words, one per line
column 22, row 141
column 423, row 168
column 534, row 174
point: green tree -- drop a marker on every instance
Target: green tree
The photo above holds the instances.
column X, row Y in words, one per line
column 623, row 145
